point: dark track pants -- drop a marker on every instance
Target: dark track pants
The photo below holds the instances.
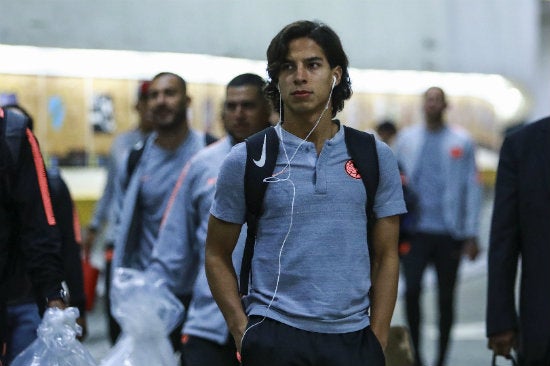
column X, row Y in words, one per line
column 200, row 352
column 444, row 253
column 272, row 343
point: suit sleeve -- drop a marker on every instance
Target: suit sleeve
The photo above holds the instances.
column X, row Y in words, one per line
column 504, row 245
column 39, row 238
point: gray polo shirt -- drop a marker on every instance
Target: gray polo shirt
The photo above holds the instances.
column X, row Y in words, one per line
column 315, row 226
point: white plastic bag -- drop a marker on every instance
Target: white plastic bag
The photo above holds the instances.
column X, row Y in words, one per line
column 56, row 344
column 147, row 312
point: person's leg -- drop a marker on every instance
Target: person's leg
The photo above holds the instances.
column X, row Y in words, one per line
column 175, row 340
column 447, row 259
column 199, row 351
column 414, row 265
column 270, row 343
column 176, row 336
column 343, row 349
column 112, row 324
column 23, row 321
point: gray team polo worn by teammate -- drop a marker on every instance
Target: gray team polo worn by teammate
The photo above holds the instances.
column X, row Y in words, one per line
column 147, row 197
column 176, row 259
column 325, row 290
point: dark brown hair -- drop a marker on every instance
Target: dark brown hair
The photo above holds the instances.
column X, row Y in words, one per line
column 327, row 39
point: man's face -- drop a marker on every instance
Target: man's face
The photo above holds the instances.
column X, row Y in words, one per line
column 167, row 102
column 245, row 111
column 434, row 104
column 305, row 78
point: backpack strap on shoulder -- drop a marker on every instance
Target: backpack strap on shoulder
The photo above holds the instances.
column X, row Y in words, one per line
column 209, row 139
column 262, row 149
column 14, row 128
column 362, row 149
column 133, row 159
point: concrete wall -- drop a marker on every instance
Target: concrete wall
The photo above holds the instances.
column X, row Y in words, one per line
column 487, row 36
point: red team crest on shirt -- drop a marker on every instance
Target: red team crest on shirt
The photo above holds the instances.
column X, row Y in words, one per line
column 457, row 152
column 352, row 170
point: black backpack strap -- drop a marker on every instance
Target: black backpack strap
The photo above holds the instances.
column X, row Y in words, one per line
column 14, row 127
column 209, row 139
column 262, row 149
column 12, row 133
column 362, row 149
column 133, row 159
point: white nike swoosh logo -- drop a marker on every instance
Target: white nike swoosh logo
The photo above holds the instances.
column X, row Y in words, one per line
column 260, row 163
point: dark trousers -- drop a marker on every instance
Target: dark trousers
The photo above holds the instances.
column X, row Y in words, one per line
column 272, row 343
column 444, row 253
column 198, row 351
column 112, row 324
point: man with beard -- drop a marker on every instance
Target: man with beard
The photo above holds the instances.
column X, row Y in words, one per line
column 148, row 188
column 180, row 247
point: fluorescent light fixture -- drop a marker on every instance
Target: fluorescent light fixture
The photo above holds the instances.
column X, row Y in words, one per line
column 508, row 100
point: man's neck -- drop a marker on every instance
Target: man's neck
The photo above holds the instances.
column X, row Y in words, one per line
column 144, row 131
column 301, row 126
column 434, row 124
column 171, row 139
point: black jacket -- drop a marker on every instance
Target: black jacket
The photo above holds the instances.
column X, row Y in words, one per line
column 521, row 229
column 29, row 238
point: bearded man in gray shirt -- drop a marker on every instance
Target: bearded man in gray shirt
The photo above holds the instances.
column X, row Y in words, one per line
column 165, row 153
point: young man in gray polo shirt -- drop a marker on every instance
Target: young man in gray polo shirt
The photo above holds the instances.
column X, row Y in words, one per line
column 311, row 273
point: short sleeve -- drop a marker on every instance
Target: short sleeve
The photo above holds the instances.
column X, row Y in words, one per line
column 229, row 200
column 389, row 195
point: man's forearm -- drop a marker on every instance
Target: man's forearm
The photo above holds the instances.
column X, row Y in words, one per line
column 222, row 280
column 384, row 276
column 384, row 295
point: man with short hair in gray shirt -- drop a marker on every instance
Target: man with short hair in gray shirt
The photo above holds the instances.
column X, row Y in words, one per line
column 311, row 272
column 439, row 161
column 165, row 153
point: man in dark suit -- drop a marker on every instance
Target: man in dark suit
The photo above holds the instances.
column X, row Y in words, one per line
column 521, row 228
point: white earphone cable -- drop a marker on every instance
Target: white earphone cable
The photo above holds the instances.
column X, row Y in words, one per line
column 274, row 179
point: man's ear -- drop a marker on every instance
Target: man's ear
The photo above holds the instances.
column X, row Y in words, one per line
column 337, row 73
